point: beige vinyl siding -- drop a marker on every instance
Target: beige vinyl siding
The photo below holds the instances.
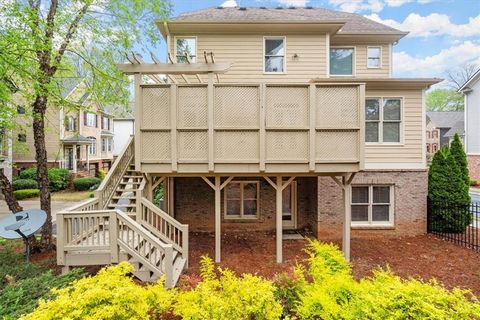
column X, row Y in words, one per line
column 246, row 54
column 361, row 62
column 408, row 153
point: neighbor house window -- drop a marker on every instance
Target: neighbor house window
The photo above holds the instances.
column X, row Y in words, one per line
column 22, row 137
column 92, row 148
column 428, row 134
column 105, row 123
column 373, row 57
column 20, row 109
column 109, row 144
column 341, row 61
column 434, row 147
column 383, row 118
column 274, row 52
column 435, row 134
column 372, row 205
column 70, row 123
column 184, row 46
column 104, row 145
column 90, row 119
column 241, row 199
column 428, row 147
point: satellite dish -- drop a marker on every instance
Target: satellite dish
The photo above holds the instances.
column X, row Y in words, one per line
column 22, row 225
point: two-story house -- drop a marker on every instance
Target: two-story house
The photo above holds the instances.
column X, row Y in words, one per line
column 271, row 119
column 79, row 138
column 6, row 153
column 441, row 127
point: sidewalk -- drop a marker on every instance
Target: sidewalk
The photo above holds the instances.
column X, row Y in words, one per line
column 35, row 204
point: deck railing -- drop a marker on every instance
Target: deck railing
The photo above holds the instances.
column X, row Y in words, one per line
column 115, row 174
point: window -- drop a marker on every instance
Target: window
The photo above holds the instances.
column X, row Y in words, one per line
column 428, row 147
column 92, row 148
column 274, row 51
column 70, row 123
column 22, row 137
column 383, row 120
column 241, row 200
column 341, row 61
column 110, row 144
column 105, row 123
column 90, row 119
column 107, row 144
column 104, row 145
column 435, row 134
column 373, row 57
column 184, row 46
column 20, row 109
column 372, row 205
column 434, row 147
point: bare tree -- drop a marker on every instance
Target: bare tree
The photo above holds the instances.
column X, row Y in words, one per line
column 458, row 76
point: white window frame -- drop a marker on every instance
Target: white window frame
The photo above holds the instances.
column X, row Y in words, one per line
column 370, row 222
column 284, row 38
column 104, row 144
column 194, row 60
column 91, row 119
column 379, row 57
column 92, row 147
column 241, row 216
column 354, row 62
column 380, row 121
column 107, row 120
column 109, row 144
column 71, row 123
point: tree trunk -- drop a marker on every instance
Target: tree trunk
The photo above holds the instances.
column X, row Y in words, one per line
column 39, row 108
column 7, row 191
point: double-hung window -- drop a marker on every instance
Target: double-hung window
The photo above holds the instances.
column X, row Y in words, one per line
column 70, row 123
column 105, row 123
column 374, row 57
column 383, row 119
column 92, row 148
column 241, row 200
column 341, row 61
column 372, row 205
column 185, row 46
column 274, row 48
column 91, row 119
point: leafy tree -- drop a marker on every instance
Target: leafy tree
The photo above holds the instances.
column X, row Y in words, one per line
column 444, row 100
column 47, row 42
column 458, row 153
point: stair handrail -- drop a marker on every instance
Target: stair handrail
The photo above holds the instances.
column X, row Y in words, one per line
column 176, row 233
column 110, row 183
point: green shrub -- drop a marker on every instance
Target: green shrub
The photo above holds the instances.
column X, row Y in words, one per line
column 13, row 264
column 84, row 184
column 21, row 184
column 22, row 297
column 26, row 193
column 101, row 174
column 110, row 294
column 458, row 153
column 228, row 297
column 59, row 178
column 158, row 196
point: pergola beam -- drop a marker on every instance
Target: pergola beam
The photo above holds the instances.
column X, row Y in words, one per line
column 176, row 68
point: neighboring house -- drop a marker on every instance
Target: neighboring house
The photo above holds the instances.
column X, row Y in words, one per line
column 471, row 90
column 441, row 127
column 80, row 140
column 123, row 129
column 6, row 153
column 280, row 120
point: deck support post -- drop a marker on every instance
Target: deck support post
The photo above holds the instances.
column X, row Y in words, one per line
column 346, row 184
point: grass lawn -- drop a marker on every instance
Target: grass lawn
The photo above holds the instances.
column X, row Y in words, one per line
column 70, row 195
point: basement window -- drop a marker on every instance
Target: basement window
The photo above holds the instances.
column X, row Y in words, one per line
column 372, row 205
column 184, row 46
column 241, row 200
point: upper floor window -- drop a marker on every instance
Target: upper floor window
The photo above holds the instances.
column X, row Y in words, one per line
column 70, row 123
column 105, row 123
column 92, row 148
column 383, row 117
column 22, row 137
column 90, row 119
column 374, row 57
column 341, row 61
column 184, row 46
column 435, row 134
column 274, row 51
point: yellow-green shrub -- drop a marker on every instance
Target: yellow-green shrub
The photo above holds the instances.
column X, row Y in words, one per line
column 227, row 296
column 110, row 294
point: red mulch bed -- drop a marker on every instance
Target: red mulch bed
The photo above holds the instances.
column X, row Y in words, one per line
column 424, row 257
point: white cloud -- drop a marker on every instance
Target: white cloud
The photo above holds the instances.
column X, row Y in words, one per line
column 229, row 4
column 399, row 3
column 294, row 3
column 358, row 5
column 434, row 24
column 405, row 65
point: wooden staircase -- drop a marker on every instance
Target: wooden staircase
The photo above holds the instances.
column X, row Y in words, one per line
column 121, row 224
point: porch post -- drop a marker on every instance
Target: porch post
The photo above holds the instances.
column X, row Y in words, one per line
column 347, row 196
column 279, row 229
column 74, row 157
column 218, row 220
column 88, row 159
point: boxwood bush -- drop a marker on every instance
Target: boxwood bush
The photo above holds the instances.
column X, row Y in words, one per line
column 59, row 178
column 26, row 193
column 21, row 184
column 88, row 183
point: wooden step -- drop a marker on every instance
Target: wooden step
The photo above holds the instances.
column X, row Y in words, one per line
column 117, row 205
column 124, row 197
column 124, row 183
column 132, row 176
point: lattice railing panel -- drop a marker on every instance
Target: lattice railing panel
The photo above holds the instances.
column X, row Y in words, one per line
column 236, row 107
column 287, row 107
column 156, row 145
column 192, row 145
column 287, row 145
column 156, row 108
column 236, row 145
column 337, row 145
column 192, row 107
column 337, row 107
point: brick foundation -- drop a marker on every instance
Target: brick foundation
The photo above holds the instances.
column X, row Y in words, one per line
column 410, row 211
column 474, row 167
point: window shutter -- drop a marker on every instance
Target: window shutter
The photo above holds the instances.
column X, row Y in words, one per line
column 84, row 118
column 96, row 120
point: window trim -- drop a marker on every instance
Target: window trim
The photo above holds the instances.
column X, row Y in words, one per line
column 284, row 38
column 175, row 47
column 92, row 146
column 241, row 216
column 354, row 61
column 72, row 123
column 380, row 62
column 370, row 222
column 380, row 129
column 95, row 125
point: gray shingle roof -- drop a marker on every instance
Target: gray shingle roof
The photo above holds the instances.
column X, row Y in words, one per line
column 354, row 23
column 458, row 127
column 445, row 119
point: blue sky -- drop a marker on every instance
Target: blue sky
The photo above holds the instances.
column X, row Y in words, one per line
column 444, row 34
